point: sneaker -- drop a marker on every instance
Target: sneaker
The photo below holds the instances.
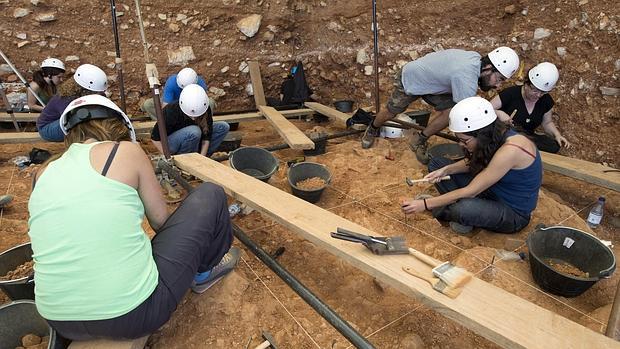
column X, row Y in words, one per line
column 225, row 266
column 418, row 145
column 369, row 136
column 460, row 228
column 5, row 200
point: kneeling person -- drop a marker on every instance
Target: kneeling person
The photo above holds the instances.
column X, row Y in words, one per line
column 189, row 124
column 496, row 186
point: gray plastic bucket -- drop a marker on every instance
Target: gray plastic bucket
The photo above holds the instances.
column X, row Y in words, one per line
column 452, row 151
column 304, row 170
column 345, row 106
column 22, row 288
column 255, row 162
column 20, row 318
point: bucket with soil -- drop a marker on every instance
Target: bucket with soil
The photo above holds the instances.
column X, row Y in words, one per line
column 319, row 135
column 452, row 151
column 22, row 326
column 345, row 106
column 16, row 272
column 308, row 180
column 567, row 261
column 253, row 161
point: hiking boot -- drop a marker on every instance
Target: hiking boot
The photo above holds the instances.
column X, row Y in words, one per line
column 418, row 145
column 5, row 200
column 225, row 266
column 369, row 136
column 460, row 228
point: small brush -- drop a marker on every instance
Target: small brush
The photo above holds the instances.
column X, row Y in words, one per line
column 438, row 284
column 449, row 273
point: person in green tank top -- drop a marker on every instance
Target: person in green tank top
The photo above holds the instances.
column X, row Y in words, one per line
column 97, row 274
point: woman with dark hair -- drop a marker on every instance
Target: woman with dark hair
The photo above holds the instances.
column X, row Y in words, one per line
column 496, row 186
column 88, row 79
column 45, row 82
column 532, row 107
column 97, row 273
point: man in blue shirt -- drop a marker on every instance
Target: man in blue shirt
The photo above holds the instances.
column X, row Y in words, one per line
column 172, row 89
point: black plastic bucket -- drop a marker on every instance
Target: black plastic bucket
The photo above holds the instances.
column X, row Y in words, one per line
column 319, row 147
column 345, row 106
column 565, row 244
column 20, row 318
column 22, row 288
column 452, row 151
column 304, row 170
column 420, row 117
column 255, row 162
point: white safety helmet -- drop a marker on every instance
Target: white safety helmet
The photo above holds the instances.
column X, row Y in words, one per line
column 53, row 63
column 91, row 78
column 544, row 76
column 471, row 114
column 194, row 101
column 99, row 107
column 186, row 76
column 505, row 60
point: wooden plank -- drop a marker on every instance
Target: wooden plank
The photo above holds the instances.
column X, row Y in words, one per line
column 291, row 134
column 339, row 117
column 21, row 117
column 34, row 137
column 258, row 116
column 257, row 84
column 495, row 314
column 583, row 170
column 138, row 343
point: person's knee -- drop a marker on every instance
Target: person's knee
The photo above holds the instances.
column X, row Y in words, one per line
column 193, row 132
column 211, row 192
column 222, row 127
column 437, row 162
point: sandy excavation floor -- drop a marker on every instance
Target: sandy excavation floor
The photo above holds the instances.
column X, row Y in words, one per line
column 365, row 189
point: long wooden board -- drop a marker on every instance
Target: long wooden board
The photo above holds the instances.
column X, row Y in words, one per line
column 257, row 84
column 584, row 170
column 137, row 343
column 339, row 117
column 495, row 314
column 291, row 134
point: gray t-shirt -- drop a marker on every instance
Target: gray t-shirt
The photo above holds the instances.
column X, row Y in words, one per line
column 450, row 71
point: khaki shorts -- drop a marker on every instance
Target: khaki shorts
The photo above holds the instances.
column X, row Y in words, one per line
column 400, row 100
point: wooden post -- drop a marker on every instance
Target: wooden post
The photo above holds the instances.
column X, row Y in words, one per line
column 257, row 84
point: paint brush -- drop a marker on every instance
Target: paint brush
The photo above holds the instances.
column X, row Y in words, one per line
column 438, row 284
column 449, row 273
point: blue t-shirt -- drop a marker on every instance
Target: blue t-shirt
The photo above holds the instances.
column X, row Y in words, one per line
column 172, row 91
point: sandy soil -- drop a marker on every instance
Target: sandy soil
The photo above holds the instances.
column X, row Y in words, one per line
column 365, row 186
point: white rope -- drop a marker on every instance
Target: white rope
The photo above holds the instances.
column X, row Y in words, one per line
column 282, row 304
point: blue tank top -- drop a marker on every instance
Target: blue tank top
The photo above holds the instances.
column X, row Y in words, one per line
column 519, row 188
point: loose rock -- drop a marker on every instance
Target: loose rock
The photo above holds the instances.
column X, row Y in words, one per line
column 561, row 51
column 610, row 91
column 541, row 33
column 244, row 67
column 362, row 56
column 216, row 92
column 20, row 12
column 46, row 17
column 249, row 25
column 510, row 9
column 72, row 58
column 181, row 56
column 368, row 70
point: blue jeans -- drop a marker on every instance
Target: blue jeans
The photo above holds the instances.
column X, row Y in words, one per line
column 484, row 211
column 52, row 132
column 188, row 139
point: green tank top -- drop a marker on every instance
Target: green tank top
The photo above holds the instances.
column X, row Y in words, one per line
column 93, row 260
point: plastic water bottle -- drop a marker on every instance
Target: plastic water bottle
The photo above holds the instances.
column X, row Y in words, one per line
column 596, row 213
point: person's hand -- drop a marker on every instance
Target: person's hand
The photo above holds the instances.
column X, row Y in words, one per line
column 410, row 206
column 436, row 175
column 562, row 141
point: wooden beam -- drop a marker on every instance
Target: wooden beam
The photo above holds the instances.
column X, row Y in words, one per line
column 257, row 84
column 137, row 343
column 583, row 170
column 291, row 134
column 258, row 116
column 493, row 313
column 339, row 117
column 32, row 117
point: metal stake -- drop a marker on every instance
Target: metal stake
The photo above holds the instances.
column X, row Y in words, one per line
column 119, row 61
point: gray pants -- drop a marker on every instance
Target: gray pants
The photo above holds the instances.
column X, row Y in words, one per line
column 193, row 239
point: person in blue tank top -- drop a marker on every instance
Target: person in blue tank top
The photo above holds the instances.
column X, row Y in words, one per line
column 97, row 274
column 495, row 187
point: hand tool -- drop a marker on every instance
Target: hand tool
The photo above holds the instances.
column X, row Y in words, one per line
column 410, row 182
column 437, row 284
column 377, row 245
column 449, row 273
column 268, row 343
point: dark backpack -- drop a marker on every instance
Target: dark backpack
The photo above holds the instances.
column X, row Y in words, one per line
column 39, row 156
